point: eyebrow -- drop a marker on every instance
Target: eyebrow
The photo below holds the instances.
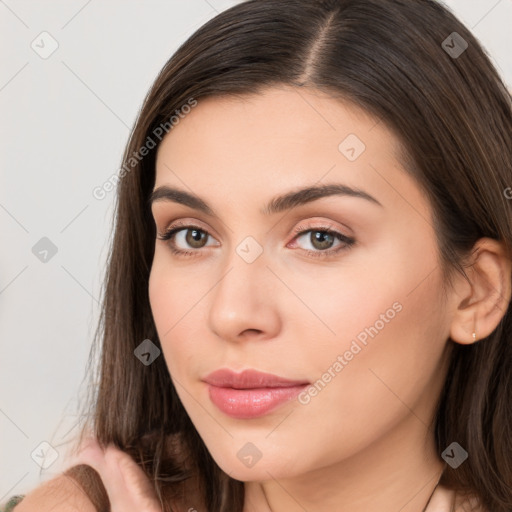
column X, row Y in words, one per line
column 278, row 204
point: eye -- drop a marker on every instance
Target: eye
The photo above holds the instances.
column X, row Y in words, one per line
column 321, row 240
column 189, row 236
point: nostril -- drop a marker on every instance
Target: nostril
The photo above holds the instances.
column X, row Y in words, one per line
column 256, row 331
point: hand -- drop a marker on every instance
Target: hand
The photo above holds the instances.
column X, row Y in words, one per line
column 127, row 486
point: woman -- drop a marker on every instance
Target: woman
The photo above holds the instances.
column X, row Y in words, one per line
column 308, row 295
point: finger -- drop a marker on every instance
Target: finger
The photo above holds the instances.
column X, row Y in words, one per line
column 92, row 454
column 141, row 491
column 127, row 486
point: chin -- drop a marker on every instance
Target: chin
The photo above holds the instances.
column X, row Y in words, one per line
column 247, row 465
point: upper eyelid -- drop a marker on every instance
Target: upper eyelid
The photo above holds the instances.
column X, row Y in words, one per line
column 181, row 225
column 300, row 220
column 299, row 231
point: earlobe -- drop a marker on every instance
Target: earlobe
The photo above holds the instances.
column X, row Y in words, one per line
column 478, row 313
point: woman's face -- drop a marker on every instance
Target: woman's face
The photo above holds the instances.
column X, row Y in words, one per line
column 357, row 313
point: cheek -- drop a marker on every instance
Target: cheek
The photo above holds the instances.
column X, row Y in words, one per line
column 175, row 298
column 388, row 344
column 375, row 383
column 390, row 283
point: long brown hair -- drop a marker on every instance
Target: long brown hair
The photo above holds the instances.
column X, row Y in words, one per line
column 447, row 105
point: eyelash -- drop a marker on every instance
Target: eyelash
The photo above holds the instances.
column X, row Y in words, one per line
column 299, row 230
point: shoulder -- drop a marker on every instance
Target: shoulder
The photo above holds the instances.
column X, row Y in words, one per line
column 60, row 494
column 469, row 503
column 445, row 499
column 9, row 505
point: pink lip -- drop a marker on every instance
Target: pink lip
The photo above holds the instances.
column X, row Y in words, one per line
column 250, row 394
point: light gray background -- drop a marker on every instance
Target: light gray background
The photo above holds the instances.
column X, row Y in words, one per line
column 64, row 123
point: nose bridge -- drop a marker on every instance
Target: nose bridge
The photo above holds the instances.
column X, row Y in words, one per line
column 242, row 298
column 245, row 269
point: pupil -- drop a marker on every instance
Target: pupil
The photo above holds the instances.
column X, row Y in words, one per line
column 324, row 239
column 196, row 237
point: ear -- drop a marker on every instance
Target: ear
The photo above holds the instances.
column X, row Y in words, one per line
column 483, row 303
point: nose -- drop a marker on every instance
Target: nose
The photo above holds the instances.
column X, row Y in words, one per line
column 244, row 303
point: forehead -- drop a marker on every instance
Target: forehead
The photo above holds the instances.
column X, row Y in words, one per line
column 284, row 137
column 287, row 121
column 278, row 116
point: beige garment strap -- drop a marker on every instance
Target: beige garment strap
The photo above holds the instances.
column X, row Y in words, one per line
column 446, row 500
column 443, row 500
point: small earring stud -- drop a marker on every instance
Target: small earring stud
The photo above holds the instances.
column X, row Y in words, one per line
column 474, row 335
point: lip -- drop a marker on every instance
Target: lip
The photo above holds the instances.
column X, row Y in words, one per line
column 251, row 393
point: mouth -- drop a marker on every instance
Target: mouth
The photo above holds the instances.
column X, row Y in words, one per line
column 250, row 394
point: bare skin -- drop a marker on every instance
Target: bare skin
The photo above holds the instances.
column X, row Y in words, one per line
column 363, row 441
